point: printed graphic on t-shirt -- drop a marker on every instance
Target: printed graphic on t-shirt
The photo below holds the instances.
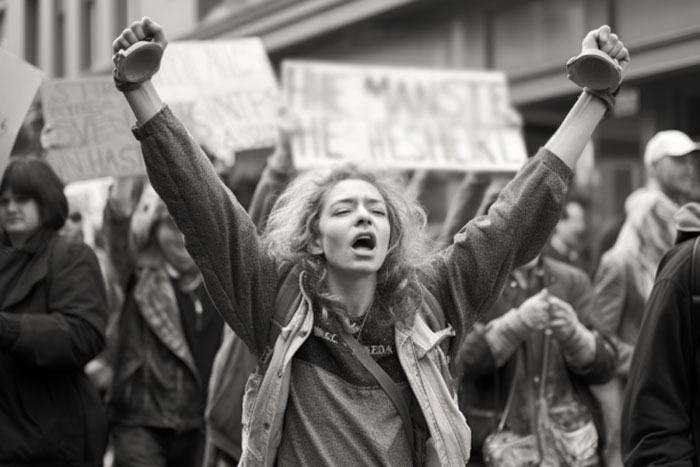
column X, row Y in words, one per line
column 375, row 350
column 325, row 348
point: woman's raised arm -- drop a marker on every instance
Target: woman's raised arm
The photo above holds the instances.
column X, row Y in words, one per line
column 583, row 118
column 240, row 277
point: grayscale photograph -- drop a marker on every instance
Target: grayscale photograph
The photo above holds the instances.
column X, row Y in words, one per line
column 364, row 233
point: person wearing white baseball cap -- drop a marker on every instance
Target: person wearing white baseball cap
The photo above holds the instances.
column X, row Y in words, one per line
column 669, row 160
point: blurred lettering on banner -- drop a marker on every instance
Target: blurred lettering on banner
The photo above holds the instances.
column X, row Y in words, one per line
column 402, row 118
column 19, row 82
column 225, row 92
column 90, row 129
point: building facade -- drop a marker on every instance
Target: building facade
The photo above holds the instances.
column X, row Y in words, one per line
column 529, row 39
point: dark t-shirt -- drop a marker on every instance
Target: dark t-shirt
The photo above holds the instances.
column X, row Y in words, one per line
column 357, row 424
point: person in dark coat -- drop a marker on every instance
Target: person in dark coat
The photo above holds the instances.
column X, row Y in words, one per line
column 52, row 322
column 660, row 416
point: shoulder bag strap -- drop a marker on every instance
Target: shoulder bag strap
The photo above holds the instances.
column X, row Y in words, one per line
column 511, row 392
column 384, row 381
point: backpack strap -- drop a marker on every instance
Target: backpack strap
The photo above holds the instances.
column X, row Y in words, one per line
column 436, row 320
column 286, row 303
column 437, row 316
column 695, row 274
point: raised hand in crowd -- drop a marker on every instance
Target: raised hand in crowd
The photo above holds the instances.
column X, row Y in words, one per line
column 287, row 127
column 465, row 204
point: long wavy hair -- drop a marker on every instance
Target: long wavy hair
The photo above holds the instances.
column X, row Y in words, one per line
column 293, row 225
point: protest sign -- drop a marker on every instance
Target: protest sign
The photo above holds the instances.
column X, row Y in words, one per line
column 224, row 92
column 19, row 82
column 89, row 127
column 402, row 118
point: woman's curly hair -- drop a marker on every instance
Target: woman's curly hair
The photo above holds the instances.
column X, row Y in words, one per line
column 293, row 226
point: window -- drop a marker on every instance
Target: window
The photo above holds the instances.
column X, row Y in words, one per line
column 59, row 42
column 120, row 16
column 31, row 31
column 87, row 23
column 2, row 25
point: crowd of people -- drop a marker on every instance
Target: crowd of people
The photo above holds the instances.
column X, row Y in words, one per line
column 323, row 325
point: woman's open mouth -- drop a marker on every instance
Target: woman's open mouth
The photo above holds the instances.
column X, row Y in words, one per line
column 364, row 242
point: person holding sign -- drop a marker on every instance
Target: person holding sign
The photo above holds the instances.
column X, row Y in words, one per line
column 53, row 314
column 339, row 297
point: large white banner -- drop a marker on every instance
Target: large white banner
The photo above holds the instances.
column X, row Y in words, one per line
column 19, row 82
column 403, row 118
column 225, row 92
column 89, row 124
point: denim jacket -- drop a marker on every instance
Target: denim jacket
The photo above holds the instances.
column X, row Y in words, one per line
column 421, row 357
column 243, row 278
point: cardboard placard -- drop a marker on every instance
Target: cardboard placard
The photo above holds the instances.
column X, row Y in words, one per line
column 90, row 129
column 225, row 92
column 19, row 82
column 402, row 118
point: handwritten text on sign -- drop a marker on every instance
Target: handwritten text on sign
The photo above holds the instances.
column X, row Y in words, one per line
column 90, row 124
column 224, row 91
column 402, row 118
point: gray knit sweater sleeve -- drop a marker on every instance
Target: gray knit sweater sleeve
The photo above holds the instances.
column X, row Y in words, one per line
column 469, row 275
column 220, row 236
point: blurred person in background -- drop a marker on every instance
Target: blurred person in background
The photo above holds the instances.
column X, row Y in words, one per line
column 660, row 417
column 536, row 347
column 670, row 159
column 100, row 369
column 568, row 243
column 166, row 337
column 123, row 196
column 626, row 273
column 605, row 237
column 73, row 228
column 52, row 322
column 476, row 192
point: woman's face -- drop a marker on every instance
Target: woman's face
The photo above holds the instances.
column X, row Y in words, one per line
column 19, row 215
column 353, row 228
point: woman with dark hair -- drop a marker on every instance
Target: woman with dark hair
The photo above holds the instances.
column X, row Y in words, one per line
column 52, row 322
column 341, row 296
